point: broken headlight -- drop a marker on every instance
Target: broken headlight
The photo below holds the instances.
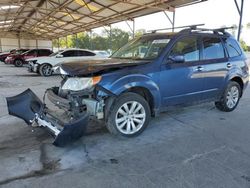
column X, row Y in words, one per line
column 77, row 84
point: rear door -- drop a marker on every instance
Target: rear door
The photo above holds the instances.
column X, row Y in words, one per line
column 214, row 61
column 30, row 54
column 182, row 82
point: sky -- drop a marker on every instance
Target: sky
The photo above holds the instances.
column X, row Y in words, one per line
column 213, row 13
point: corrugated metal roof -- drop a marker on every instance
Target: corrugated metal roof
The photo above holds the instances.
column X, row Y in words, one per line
column 51, row 19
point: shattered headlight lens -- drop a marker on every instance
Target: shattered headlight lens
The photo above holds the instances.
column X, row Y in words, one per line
column 77, row 84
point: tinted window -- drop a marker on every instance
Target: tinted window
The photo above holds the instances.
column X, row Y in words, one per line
column 187, row 47
column 213, row 48
column 232, row 47
column 85, row 53
column 70, row 53
column 44, row 52
column 32, row 52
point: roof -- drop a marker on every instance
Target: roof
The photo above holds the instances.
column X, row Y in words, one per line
column 50, row 19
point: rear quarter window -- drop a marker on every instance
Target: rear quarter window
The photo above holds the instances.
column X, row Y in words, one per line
column 212, row 48
column 232, row 47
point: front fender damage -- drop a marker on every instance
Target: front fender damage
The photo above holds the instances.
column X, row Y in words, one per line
column 30, row 108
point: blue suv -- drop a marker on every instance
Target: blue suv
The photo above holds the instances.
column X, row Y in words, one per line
column 144, row 78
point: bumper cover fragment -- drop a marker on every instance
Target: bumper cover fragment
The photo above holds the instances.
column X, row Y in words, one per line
column 30, row 108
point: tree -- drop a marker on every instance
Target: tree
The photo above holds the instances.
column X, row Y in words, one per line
column 116, row 39
column 243, row 45
column 140, row 32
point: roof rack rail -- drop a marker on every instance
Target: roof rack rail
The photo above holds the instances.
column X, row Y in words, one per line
column 216, row 31
column 193, row 27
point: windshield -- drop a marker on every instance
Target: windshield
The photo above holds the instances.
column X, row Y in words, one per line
column 54, row 54
column 143, row 48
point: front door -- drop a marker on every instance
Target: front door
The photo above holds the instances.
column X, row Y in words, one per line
column 182, row 82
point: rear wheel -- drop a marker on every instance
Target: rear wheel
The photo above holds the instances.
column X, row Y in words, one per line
column 45, row 70
column 230, row 97
column 18, row 63
column 129, row 115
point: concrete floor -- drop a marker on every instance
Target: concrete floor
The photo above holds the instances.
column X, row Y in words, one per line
column 195, row 147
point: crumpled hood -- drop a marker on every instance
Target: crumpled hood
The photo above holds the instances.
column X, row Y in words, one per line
column 86, row 67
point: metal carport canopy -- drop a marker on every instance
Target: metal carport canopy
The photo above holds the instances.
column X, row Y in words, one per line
column 51, row 19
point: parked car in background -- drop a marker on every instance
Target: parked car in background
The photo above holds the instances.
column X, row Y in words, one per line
column 4, row 55
column 19, row 59
column 43, row 65
column 102, row 53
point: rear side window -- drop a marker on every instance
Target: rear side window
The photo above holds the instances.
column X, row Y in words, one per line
column 85, row 53
column 70, row 53
column 212, row 48
column 232, row 47
column 188, row 47
column 44, row 52
column 32, row 52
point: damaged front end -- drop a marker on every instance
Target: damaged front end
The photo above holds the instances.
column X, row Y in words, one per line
column 33, row 111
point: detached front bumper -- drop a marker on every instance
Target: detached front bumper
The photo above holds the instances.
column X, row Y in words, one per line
column 30, row 108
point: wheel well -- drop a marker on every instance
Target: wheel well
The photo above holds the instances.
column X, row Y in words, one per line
column 239, row 81
column 145, row 93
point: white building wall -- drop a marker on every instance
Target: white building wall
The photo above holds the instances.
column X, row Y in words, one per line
column 9, row 43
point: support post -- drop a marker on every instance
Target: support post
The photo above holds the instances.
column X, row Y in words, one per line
column 133, row 28
column 66, row 40
column 77, row 41
column 1, row 48
column 58, row 44
column 19, row 43
column 110, row 37
column 173, row 23
column 240, row 11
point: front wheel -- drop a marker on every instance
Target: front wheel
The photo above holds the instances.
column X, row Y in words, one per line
column 18, row 63
column 230, row 97
column 129, row 115
column 45, row 70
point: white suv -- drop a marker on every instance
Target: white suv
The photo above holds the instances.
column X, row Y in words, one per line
column 43, row 65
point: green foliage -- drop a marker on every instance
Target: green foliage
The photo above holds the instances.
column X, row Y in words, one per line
column 117, row 39
column 243, row 45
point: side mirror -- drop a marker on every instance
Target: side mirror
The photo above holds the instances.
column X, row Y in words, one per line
column 59, row 56
column 177, row 59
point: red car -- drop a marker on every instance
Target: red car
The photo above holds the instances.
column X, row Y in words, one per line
column 19, row 59
column 4, row 55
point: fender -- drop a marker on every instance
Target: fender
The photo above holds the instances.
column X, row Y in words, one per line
column 236, row 72
column 136, row 80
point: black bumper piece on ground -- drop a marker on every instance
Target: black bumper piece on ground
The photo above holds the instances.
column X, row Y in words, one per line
column 30, row 108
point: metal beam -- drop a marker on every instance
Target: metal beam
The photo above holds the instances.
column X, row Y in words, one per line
column 240, row 11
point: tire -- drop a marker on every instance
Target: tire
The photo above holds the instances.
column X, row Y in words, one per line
column 18, row 63
column 230, row 97
column 45, row 70
column 121, row 123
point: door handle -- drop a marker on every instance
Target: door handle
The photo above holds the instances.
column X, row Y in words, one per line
column 229, row 65
column 199, row 68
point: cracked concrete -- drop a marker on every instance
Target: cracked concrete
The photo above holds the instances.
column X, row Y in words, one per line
column 191, row 147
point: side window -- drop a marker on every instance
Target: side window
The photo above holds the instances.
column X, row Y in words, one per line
column 212, row 48
column 69, row 53
column 232, row 47
column 85, row 53
column 32, row 52
column 44, row 52
column 188, row 47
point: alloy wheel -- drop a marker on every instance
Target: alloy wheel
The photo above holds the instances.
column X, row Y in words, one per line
column 130, row 117
column 232, row 97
